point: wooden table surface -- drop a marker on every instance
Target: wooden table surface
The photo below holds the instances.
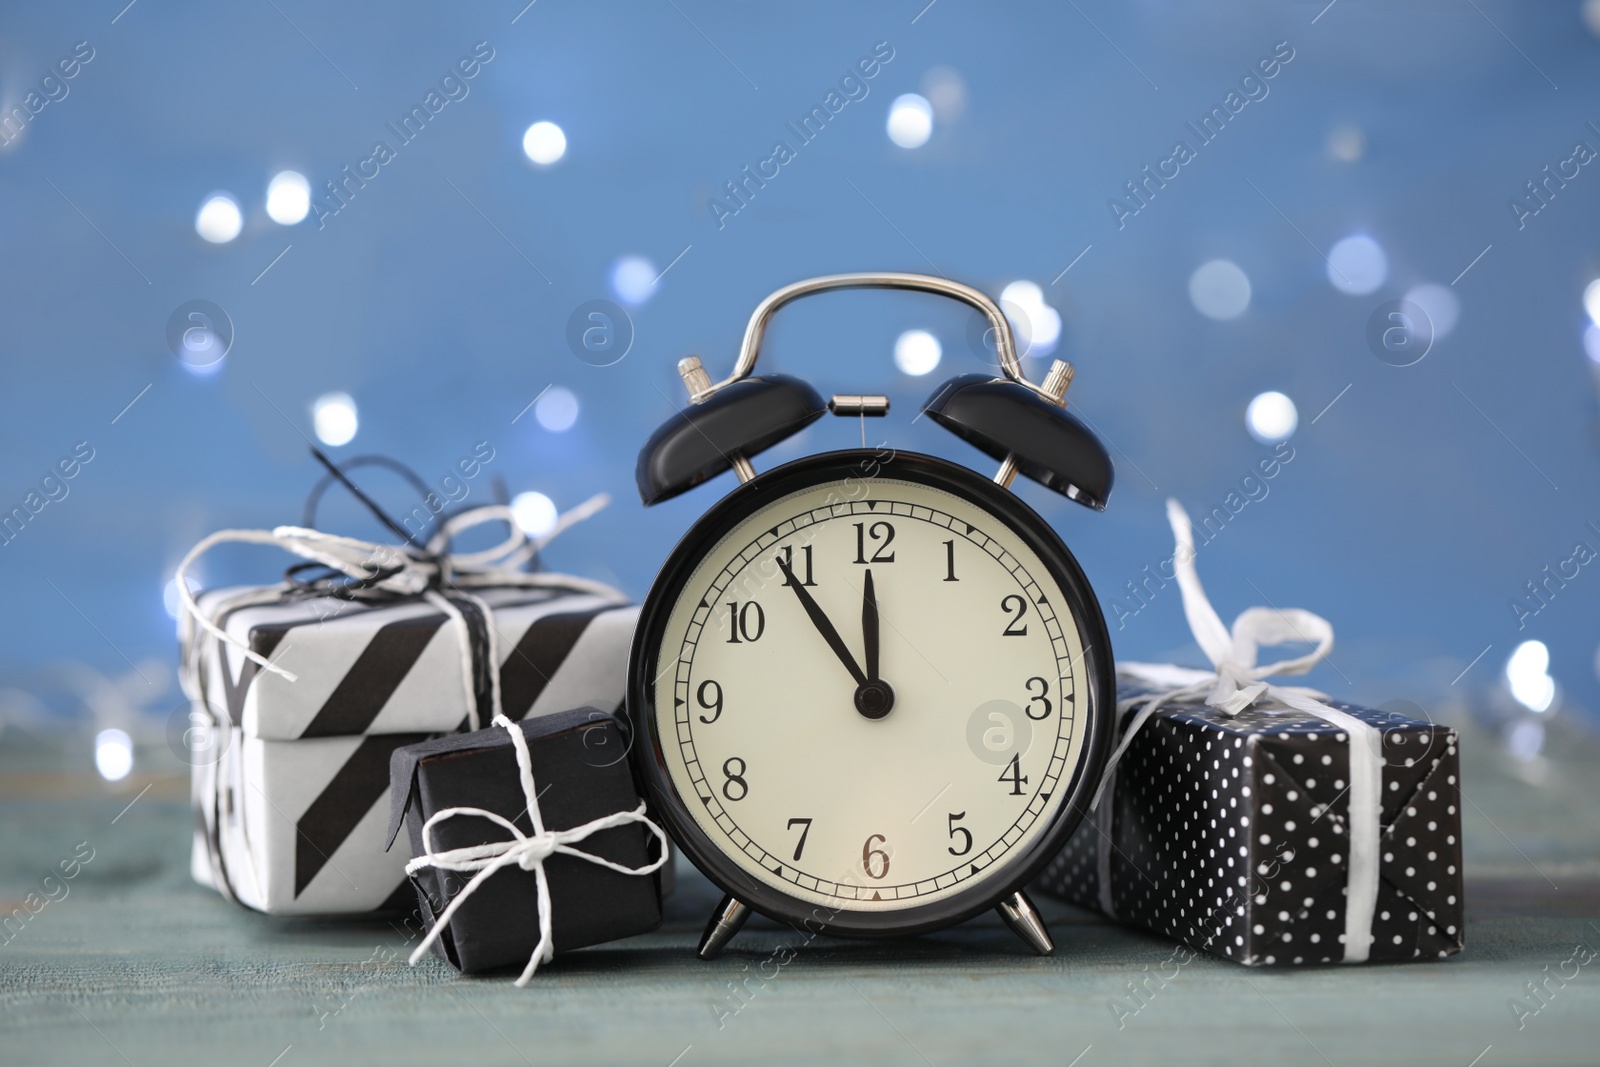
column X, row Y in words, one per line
column 138, row 965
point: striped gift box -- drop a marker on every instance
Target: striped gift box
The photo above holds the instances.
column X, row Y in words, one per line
column 291, row 801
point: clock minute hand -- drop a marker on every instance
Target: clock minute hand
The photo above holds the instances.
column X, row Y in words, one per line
column 824, row 627
column 869, row 626
column 874, row 696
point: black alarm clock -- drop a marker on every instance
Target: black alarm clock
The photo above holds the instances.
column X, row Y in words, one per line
column 873, row 689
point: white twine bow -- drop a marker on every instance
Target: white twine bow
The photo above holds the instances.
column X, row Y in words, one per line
column 1237, row 682
column 525, row 851
column 402, row 570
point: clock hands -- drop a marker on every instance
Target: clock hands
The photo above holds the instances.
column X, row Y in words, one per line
column 869, row 626
column 873, row 697
column 824, row 627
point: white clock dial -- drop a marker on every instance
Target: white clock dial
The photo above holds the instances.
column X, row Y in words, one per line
column 757, row 716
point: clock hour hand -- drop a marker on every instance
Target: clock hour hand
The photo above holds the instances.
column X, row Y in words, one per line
column 824, row 627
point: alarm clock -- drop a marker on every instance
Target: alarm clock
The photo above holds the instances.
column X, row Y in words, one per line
column 873, row 689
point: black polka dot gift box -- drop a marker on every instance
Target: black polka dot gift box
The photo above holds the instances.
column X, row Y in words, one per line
column 1233, row 835
column 1263, row 823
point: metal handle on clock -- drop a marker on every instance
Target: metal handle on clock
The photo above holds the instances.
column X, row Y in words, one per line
column 751, row 348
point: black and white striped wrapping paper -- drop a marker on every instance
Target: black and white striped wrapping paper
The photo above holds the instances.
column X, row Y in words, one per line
column 291, row 812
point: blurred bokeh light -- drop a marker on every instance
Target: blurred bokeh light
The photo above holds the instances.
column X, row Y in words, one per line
column 535, row 513
column 917, row 352
column 557, row 409
column 1219, row 290
column 333, row 416
column 1357, row 265
column 288, row 197
column 910, row 121
column 113, row 754
column 219, row 220
column 544, row 143
column 1271, row 417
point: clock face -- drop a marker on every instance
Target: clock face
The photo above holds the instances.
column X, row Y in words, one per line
column 868, row 688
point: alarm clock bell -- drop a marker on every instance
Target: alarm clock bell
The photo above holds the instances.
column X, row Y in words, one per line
column 1021, row 424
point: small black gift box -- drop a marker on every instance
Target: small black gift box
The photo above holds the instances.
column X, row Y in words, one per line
column 595, row 851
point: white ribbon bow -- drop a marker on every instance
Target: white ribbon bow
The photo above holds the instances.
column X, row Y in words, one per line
column 1237, row 682
column 525, row 851
column 405, row 571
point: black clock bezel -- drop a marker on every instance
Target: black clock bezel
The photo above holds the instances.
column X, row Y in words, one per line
column 668, row 805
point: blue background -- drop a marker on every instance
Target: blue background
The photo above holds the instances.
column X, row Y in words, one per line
column 1409, row 517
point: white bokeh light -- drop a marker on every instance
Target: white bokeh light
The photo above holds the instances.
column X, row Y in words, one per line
column 288, row 197
column 544, row 143
column 1591, row 16
column 1528, row 677
column 1591, row 342
column 1526, row 739
column 916, row 352
column 1023, row 293
column 1441, row 304
column 1357, row 265
column 633, row 279
column 1037, row 324
column 910, row 121
column 1591, row 301
column 1219, row 290
column 1271, row 417
column 557, row 409
column 1347, row 143
column 219, row 220
column 535, row 513
column 946, row 90
column 170, row 598
column 113, row 754
column 333, row 417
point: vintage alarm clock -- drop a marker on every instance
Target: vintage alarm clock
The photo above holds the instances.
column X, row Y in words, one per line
column 873, row 690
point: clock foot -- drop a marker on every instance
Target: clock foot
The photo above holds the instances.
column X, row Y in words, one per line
column 725, row 922
column 1019, row 914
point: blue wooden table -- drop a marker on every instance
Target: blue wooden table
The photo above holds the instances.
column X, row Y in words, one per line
column 135, row 964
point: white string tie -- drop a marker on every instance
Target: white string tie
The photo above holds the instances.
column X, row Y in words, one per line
column 413, row 573
column 526, row 851
column 1236, row 682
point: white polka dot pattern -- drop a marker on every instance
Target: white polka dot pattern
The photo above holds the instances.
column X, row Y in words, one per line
column 1230, row 835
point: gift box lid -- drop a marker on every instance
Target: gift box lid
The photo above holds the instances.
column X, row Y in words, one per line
column 1410, row 748
column 603, row 733
column 386, row 666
